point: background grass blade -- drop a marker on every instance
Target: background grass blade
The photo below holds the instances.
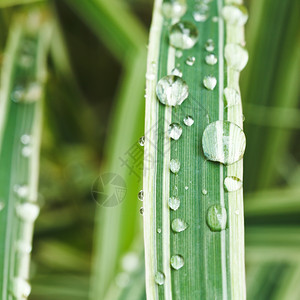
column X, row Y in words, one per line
column 213, row 261
column 22, row 81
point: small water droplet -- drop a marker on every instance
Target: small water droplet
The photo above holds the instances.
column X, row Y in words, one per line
column 141, row 210
column 200, row 16
column 141, row 195
column 174, row 166
column 188, row 121
column 210, row 82
column 175, row 131
column 235, row 14
column 231, row 97
column 237, row 212
column 174, row 203
column 142, row 141
column 172, row 90
column 174, row 8
column 28, row 211
column 216, row 218
column 178, row 53
column 215, row 19
column 190, row 60
column 17, row 94
column 26, row 151
column 179, row 225
column 211, row 59
column 25, row 139
column 150, row 76
column 21, row 190
column 183, row 35
column 177, row 262
column 204, row 192
column 224, row 142
column 236, row 56
column 20, row 288
column 232, row 183
column 243, row 118
column 159, row 278
column 158, row 230
column 209, row 45
column 176, row 72
column 130, row 262
column 186, row 187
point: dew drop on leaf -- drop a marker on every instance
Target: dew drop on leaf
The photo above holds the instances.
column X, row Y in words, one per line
column 183, row 35
column 174, row 131
column 223, row 142
column 210, row 82
column 176, row 72
column 141, row 195
column 209, row 45
column 235, row 14
column 177, row 262
column 232, row 183
column 236, row 56
column 211, row 59
column 174, row 8
column 174, row 203
column 216, row 218
column 188, row 121
column 190, row 60
column 179, row 225
column 174, row 166
column 159, row 278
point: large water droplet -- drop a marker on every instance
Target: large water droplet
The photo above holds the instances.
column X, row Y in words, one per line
column 179, row 225
column 174, row 131
column 183, row 35
column 28, row 211
column 209, row 45
column 159, row 278
column 210, row 82
column 177, row 262
column 190, row 60
column 188, row 121
column 211, row 59
column 232, row 97
column 235, row 14
column 174, row 166
column 173, row 8
column 176, row 72
column 141, row 195
column 174, row 203
column 232, row 183
column 216, row 218
column 172, row 90
column 236, row 56
column 20, row 288
column 224, row 142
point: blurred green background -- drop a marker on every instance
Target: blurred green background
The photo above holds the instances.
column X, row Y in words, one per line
column 93, row 118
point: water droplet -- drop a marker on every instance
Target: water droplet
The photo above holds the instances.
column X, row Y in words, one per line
column 235, row 14
column 188, row 121
column 224, row 142
column 26, row 151
column 20, row 288
column 200, row 13
column 174, row 166
column 17, row 94
column 216, row 218
column 141, row 210
column 28, row 211
column 211, row 59
column 175, row 131
column 142, row 141
column 130, row 262
column 158, row 230
column 186, row 187
column 237, row 212
column 179, row 225
column 215, row 19
column 173, row 8
column 141, row 195
column 24, row 247
column 172, row 90
column 209, row 45
column 25, row 139
column 150, row 76
column 232, row 97
column 21, row 190
column 236, row 56
column 210, row 82
column 174, row 203
column 232, row 183
column 33, row 92
column 204, row 192
column 183, row 35
column 176, row 72
column 177, row 262
column 178, row 53
column 159, row 278
column 190, row 60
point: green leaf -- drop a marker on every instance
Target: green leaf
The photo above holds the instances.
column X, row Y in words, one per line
column 208, row 233
column 22, row 81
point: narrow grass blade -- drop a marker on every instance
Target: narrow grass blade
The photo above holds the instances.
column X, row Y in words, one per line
column 196, row 259
column 5, row 3
column 22, row 80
